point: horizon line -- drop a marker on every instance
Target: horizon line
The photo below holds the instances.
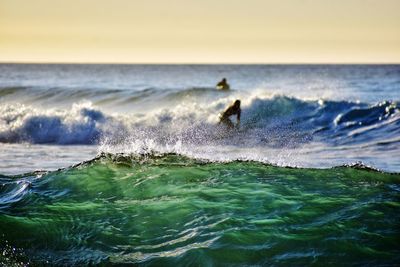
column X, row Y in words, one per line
column 194, row 63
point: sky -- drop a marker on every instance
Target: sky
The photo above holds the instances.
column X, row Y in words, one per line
column 200, row 31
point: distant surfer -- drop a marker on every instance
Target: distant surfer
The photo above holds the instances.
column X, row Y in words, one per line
column 223, row 85
column 233, row 109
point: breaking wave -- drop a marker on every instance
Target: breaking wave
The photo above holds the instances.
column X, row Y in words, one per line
column 277, row 121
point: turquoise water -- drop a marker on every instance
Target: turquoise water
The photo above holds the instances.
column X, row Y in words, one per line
column 171, row 210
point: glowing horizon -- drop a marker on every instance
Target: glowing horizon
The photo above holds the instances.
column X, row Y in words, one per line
column 178, row 31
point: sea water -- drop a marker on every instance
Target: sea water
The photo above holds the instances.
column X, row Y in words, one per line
column 126, row 164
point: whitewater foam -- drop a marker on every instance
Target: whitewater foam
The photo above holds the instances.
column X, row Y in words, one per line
column 82, row 124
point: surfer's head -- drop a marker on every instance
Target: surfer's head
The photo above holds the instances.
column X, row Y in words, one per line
column 237, row 103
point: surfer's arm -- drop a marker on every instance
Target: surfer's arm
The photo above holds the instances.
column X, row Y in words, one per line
column 238, row 118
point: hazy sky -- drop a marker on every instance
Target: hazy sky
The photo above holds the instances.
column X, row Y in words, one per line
column 200, row 31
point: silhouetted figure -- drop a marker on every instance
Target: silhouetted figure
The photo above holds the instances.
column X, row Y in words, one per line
column 233, row 109
column 223, row 85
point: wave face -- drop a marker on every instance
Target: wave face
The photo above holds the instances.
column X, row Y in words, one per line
column 168, row 209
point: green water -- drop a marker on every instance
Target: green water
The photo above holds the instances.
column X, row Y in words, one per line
column 174, row 211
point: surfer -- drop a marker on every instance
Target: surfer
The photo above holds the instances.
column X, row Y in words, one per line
column 223, row 85
column 233, row 109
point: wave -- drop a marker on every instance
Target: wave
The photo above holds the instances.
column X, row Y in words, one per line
column 102, row 96
column 15, row 187
column 277, row 121
column 163, row 209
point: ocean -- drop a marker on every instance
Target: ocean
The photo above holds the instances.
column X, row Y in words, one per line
column 127, row 165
